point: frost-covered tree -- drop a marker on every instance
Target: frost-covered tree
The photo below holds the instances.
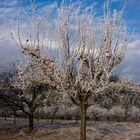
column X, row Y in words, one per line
column 31, row 89
column 87, row 49
column 34, row 83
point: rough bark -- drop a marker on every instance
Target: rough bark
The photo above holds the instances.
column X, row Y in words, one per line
column 83, row 109
column 31, row 122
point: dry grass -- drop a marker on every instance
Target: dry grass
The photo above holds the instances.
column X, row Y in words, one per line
column 100, row 130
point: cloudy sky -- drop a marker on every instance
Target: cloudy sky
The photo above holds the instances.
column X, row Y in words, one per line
column 9, row 9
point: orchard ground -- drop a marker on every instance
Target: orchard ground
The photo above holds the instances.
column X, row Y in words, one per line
column 68, row 130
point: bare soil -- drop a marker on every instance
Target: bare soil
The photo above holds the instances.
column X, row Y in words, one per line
column 68, row 130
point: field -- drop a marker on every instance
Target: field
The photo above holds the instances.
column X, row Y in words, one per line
column 68, row 130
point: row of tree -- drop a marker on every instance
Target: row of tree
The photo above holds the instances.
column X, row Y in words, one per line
column 74, row 61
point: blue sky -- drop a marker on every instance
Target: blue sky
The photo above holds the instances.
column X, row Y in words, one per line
column 9, row 9
column 131, row 13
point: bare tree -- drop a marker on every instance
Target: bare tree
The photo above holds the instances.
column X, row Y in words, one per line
column 124, row 94
column 31, row 89
column 34, row 83
column 27, row 94
column 88, row 49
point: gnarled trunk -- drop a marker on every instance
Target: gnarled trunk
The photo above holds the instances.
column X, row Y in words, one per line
column 83, row 109
column 31, row 122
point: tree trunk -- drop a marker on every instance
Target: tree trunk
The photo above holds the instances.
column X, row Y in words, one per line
column 31, row 122
column 5, row 118
column 83, row 109
column 14, row 117
column 76, row 120
column 14, row 120
column 53, row 116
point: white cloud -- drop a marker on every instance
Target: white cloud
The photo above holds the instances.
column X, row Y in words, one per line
column 8, row 2
column 133, row 49
column 131, row 66
column 134, row 45
column 8, row 52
